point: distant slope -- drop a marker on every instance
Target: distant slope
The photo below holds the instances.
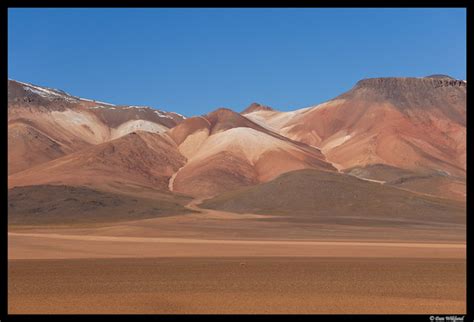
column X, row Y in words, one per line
column 410, row 123
column 59, row 204
column 435, row 183
column 413, row 124
column 327, row 197
column 28, row 146
column 46, row 123
column 139, row 159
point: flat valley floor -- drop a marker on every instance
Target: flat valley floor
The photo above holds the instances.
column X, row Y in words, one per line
column 224, row 263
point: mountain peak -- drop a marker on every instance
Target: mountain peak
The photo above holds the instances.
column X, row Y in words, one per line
column 256, row 107
column 413, row 83
column 223, row 119
column 410, row 92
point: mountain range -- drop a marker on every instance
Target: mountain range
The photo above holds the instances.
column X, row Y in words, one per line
column 388, row 148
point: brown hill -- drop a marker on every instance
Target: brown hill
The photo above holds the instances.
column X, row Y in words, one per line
column 28, row 146
column 438, row 183
column 51, row 123
column 224, row 119
column 59, row 204
column 139, row 160
column 189, row 127
column 332, row 198
column 414, row 124
column 226, row 151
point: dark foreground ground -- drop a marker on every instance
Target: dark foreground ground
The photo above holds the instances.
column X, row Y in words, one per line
column 238, row 285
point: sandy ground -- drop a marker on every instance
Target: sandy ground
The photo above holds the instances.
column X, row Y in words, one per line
column 238, row 285
column 220, row 225
column 48, row 246
column 217, row 262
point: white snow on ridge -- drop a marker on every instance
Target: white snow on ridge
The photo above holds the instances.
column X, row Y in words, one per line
column 45, row 92
column 41, row 93
column 49, row 93
column 94, row 101
column 157, row 112
column 99, row 102
column 161, row 114
column 136, row 106
column 184, row 117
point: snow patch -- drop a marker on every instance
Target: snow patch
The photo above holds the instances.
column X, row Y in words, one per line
column 99, row 102
column 184, row 117
column 136, row 106
column 47, row 92
column 102, row 107
column 94, row 101
column 161, row 114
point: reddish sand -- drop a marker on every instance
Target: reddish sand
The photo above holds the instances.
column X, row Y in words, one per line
column 186, row 264
column 238, row 285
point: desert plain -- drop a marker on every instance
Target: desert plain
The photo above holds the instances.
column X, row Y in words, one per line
column 213, row 262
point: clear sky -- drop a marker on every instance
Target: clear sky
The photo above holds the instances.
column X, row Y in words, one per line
column 192, row 61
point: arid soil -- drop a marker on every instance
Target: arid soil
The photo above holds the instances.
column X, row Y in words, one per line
column 238, row 285
column 220, row 262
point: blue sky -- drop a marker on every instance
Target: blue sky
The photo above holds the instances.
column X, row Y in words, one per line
column 192, row 61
